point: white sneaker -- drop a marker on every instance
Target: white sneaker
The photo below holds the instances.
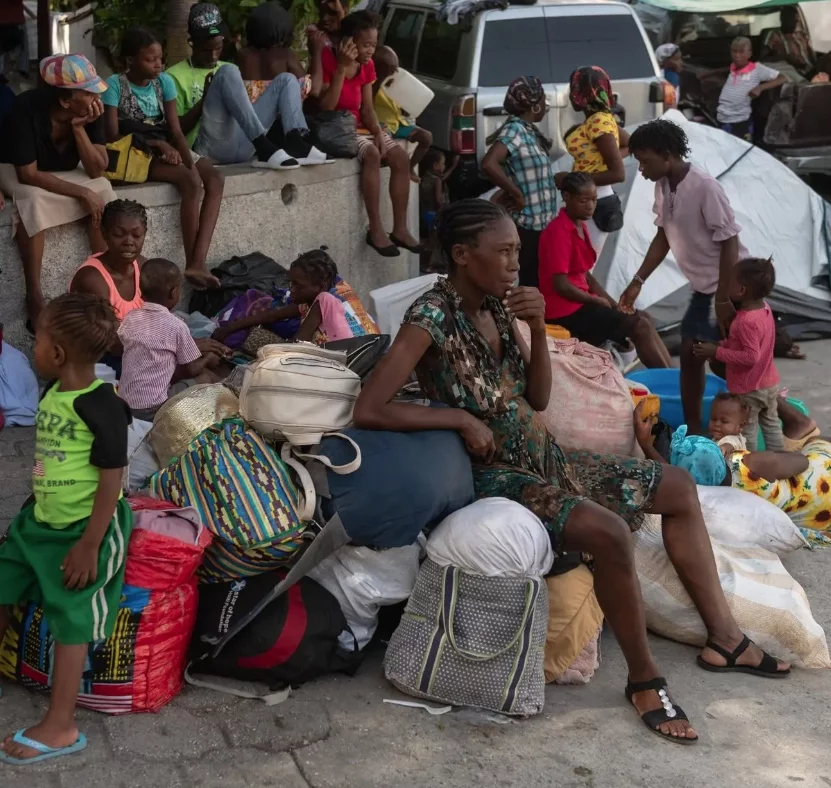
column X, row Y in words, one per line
column 279, row 160
column 316, row 156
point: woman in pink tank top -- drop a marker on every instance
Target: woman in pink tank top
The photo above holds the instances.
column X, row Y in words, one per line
column 114, row 274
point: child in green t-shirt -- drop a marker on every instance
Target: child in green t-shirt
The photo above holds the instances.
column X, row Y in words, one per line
column 66, row 548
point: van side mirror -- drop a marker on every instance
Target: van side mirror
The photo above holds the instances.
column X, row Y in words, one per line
column 656, row 92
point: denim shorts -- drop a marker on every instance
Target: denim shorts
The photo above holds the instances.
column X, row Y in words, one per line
column 699, row 321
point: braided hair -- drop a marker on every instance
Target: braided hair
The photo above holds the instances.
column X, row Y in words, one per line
column 127, row 208
column 84, row 325
column 575, row 182
column 318, row 266
column 463, row 222
column 662, row 137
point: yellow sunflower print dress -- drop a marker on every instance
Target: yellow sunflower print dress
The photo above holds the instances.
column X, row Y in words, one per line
column 806, row 498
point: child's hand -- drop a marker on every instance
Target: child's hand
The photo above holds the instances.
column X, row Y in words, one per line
column 347, row 53
column 212, row 346
column 704, row 349
column 167, row 153
column 80, row 567
column 643, row 427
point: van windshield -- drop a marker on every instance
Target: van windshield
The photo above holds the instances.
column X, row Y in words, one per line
column 551, row 51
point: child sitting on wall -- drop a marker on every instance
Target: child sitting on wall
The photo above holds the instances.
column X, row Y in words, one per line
column 158, row 348
column 391, row 116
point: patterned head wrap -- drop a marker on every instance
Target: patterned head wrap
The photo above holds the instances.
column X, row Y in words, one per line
column 698, row 455
column 523, row 94
column 590, row 90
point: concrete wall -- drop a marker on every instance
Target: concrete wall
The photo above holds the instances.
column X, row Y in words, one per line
column 279, row 214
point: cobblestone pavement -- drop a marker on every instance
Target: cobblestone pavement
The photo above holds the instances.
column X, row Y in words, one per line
column 338, row 733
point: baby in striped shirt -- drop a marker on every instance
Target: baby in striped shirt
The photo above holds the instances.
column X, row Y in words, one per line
column 158, row 348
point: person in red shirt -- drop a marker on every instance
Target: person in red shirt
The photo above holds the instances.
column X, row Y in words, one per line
column 574, row 299
column 347, row 85
column 747, row 352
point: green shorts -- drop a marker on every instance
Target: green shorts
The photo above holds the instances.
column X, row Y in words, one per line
column 30, row 567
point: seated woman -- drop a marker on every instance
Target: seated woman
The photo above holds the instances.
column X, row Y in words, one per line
column 347, row 85
column 462, row 341
column 798, row 482
column 326, row 314
column 574, row 299
column 142, row 102
column 597, row 146
column 48, row 132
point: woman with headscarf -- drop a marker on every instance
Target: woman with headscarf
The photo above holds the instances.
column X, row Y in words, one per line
column 518, row 162
column 596, row 145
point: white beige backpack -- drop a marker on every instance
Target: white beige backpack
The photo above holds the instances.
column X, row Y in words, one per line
column 299, row 393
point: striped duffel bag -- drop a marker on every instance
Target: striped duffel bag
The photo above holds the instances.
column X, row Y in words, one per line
column 246, row 497
column 471, row 640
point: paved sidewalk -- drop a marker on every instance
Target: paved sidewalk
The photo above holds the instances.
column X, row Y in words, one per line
column 338, row 733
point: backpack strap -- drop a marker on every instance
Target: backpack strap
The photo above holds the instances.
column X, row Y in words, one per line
column 309, row 496
column 128, row 105
column 341, row 470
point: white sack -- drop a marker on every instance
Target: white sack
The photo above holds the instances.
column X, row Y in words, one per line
column 142, row 462
column 494, row 537
column 364, row 580
column 770, row 607
column 741, row 518
column 389, row 304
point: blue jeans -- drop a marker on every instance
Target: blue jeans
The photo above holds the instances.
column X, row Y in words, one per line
column 230, row 121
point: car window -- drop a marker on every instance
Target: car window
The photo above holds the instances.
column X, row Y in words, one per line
column 402, row 35
column 551, row 48
column 438, row 53
column 612, row 42
column 511, row 48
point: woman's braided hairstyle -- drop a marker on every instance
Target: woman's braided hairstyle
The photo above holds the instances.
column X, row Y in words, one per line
column 129, row 208
column 319, row 267
column 84, row 325
column 575, row 182
column 463, row 222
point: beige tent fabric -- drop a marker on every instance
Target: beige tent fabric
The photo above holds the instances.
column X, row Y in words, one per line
column 39, row 209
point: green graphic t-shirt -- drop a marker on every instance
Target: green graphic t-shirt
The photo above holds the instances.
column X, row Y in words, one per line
column 190, row 85
column 78, row 434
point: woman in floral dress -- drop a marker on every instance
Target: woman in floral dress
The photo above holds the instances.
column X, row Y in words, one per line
column 461, row 340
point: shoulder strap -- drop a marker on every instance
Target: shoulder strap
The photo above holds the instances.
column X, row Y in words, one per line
column 157, row 85
column 305, row 479
column 341, row 470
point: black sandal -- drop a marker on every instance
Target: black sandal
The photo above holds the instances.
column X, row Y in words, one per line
column 767, row 667
column 417, row 249
column 669, row 712
column 384, row 251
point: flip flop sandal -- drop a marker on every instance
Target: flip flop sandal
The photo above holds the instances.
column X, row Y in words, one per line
column 767, row 667
column 669, row 712
column 45, row 752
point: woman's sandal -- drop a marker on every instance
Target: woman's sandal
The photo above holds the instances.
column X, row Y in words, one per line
column 384, row 251
column 767, row 667
column 669, row 712
column 417, row 249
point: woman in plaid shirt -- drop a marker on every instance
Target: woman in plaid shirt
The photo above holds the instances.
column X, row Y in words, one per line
column 518, row 163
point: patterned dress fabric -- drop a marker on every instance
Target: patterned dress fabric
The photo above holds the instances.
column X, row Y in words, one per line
column 461, row 370
column 806, row 498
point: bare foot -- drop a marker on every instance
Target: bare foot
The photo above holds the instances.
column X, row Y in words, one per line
column 43, row 733
column 752, row 656
column 201, row 279
column 414, row 178
column 651, row 701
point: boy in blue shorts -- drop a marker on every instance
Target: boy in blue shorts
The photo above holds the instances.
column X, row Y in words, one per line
column 66, row 548
column 391, row 116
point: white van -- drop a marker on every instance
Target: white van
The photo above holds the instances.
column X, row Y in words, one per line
column 470, row 65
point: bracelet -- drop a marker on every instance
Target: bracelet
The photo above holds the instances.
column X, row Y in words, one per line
column 639, row 279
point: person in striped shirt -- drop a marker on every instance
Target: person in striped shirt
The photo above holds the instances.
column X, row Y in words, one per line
column 158, row 348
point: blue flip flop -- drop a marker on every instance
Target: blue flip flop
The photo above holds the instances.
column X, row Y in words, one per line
column 45, row 752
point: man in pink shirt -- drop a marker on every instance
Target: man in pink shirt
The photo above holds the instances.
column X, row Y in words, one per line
column 748, row 352
column 695, row 222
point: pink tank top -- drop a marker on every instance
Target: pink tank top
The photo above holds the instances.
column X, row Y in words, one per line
column 121, row 306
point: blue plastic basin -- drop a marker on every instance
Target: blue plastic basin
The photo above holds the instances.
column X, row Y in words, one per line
column 667, row 385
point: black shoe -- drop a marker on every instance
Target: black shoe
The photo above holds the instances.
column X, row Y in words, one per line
column 417, row 249
column 384, row 251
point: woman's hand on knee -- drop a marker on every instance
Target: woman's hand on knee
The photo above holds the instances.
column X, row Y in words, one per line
column 478, row 437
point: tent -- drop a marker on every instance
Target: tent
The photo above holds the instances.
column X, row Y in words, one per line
column 779, row 214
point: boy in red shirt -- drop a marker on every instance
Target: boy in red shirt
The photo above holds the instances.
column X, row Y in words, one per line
column 748, row 351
